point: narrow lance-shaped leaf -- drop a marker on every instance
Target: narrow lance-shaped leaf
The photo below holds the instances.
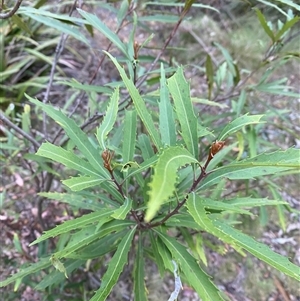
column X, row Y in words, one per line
column 75, row 133
column 263, row 164
column 115, row 267
column 76, row 200
column 139, row 104
column 98, row 24
column 234, row 237
column 264, row 24
column 67, row 158
column 180, row 90
column 163, row 182
column 139, row 273
column 77, row 223
column 129, row 137
column 194, row 274
column 60, row 26
column 122, row 212
column 286, row 27
column 82, row 182
column 166, row 115
column 209, row 75
column 35, row 267
column 109, row 119
column 238, row 123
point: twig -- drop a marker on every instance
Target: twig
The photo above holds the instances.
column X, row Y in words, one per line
column 19, row 130
column 12, row 12
column 59, row 48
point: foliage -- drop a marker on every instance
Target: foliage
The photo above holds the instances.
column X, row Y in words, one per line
column 156, row 170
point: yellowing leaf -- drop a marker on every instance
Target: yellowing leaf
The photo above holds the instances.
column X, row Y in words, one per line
column 163, row 182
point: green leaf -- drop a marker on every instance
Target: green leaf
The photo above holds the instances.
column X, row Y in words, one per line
column 56, row 277
column 228, row 59
column 36, row 267
column 98, row 24
column 264, row 24
column 75, row 200
column 84, row 87
column 60, row 26
column 144, row 144
column 139, row 273
column 234, row 237
column 115, row 267
column 83, row 182
column 223, row 206
column 286, row 27
column 249, row 202
column 129, row 137
column 209, row 75
column 77, row 223
column 166, row 116
column 162, row 185
column 180, row 91
column 67, row 158
column 58, row 265
column 79, row 138
column 164, row 253
column 263, row 164
column 91, row 234
column 158, row 259
column 238, row 123
column 194, row 274
column 122, row 212
column 99, row 247
column 139, row 104
column 109, row 119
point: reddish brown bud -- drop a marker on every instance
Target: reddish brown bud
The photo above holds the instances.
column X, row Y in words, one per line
column 107, row 155
column 216, row 147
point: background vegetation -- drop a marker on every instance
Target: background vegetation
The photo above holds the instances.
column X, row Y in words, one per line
column 238, row 57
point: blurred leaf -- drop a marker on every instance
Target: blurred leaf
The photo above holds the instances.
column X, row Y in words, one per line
column 79, row 138
column 83, row 182
column 191, row 269
column 263, row 164
column 139, row 273
column 139, row 104
column 180, row 91
column 67, row 158
column 58, row 265
column 115, row 267
column 264, row 24
column 109, row 120
column 162, row 185
column 209, row 75
column 57, row 277
column 77, row 223
column 166, row 116
column 234, row 237
column 76, row 200
column 249, row 202
column 129, row 137
column 286, row 27
column 157, row 257
column 85, row 87
column 21, row 24
column 98, row 24
column 122, row 212
column 60, row 26
column 33, row 268
column 238, row 123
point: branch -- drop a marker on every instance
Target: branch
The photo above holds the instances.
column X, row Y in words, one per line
column 12, row 12
column 19, row 130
